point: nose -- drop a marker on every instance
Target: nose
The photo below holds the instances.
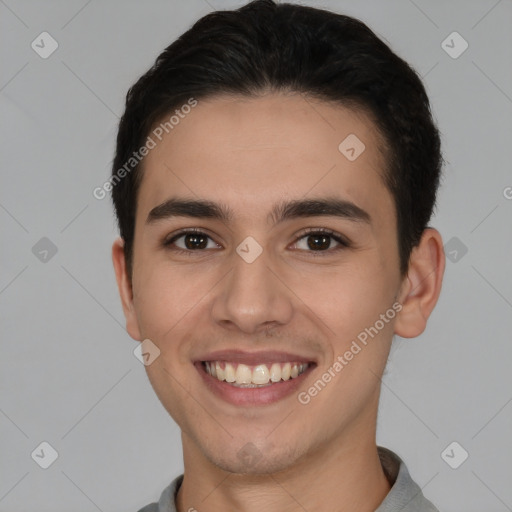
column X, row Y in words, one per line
column 252, row 297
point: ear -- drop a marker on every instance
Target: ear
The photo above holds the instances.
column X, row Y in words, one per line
column 422, row 285
column 124, row 285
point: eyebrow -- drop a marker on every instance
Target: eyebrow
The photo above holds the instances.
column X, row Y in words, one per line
column 285, row 210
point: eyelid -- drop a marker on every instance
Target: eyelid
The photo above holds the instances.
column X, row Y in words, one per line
column 342, row 243
column 168, row 239
column 168, row 243
column 343, row 240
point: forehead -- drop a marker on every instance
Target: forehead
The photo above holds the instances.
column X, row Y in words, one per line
column 250, row 151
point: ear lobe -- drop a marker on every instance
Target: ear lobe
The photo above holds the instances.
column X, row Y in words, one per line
column 422, row 285
column 124, row 286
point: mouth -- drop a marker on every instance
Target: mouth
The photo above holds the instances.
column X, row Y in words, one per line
column 242, row 379
column 262, row 375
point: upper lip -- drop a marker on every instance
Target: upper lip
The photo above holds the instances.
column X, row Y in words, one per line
column 254, row 358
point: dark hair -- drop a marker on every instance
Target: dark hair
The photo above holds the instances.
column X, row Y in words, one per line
column 265, row 46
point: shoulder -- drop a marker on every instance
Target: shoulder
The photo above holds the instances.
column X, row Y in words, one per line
column 405, row 494
column 167, row 501
column 152, row 507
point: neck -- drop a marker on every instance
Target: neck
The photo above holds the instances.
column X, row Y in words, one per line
column 340, row 476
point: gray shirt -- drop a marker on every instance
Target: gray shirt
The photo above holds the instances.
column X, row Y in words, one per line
column 404, row 496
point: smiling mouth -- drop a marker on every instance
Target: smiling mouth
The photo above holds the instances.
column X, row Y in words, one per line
column 254, row 376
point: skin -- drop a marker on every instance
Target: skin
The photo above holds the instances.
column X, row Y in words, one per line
column 250, row 154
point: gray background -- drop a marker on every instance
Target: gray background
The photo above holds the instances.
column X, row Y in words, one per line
column 68, row 373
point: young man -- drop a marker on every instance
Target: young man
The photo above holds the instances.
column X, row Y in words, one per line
column 274, row 176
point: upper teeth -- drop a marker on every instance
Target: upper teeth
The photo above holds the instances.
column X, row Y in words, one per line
column 248, row 376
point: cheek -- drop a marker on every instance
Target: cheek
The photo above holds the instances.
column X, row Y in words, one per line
column 173, row 304
column 347, row 299
column 163, row 296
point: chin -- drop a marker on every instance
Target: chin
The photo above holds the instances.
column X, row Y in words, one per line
column 250, row 460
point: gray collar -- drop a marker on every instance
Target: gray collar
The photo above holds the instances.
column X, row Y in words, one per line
column 405, row 494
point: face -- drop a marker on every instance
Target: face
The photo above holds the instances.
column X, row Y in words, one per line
column 264, row 249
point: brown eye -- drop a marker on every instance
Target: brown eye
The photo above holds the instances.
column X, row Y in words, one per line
column 191, row 240
column 318, row 241
column 195, row 241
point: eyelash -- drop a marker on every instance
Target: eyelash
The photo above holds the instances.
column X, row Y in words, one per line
column 343, row 242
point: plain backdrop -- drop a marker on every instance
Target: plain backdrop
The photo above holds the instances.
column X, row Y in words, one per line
column 68, row 373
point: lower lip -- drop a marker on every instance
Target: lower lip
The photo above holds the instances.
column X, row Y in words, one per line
column 252, row 396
